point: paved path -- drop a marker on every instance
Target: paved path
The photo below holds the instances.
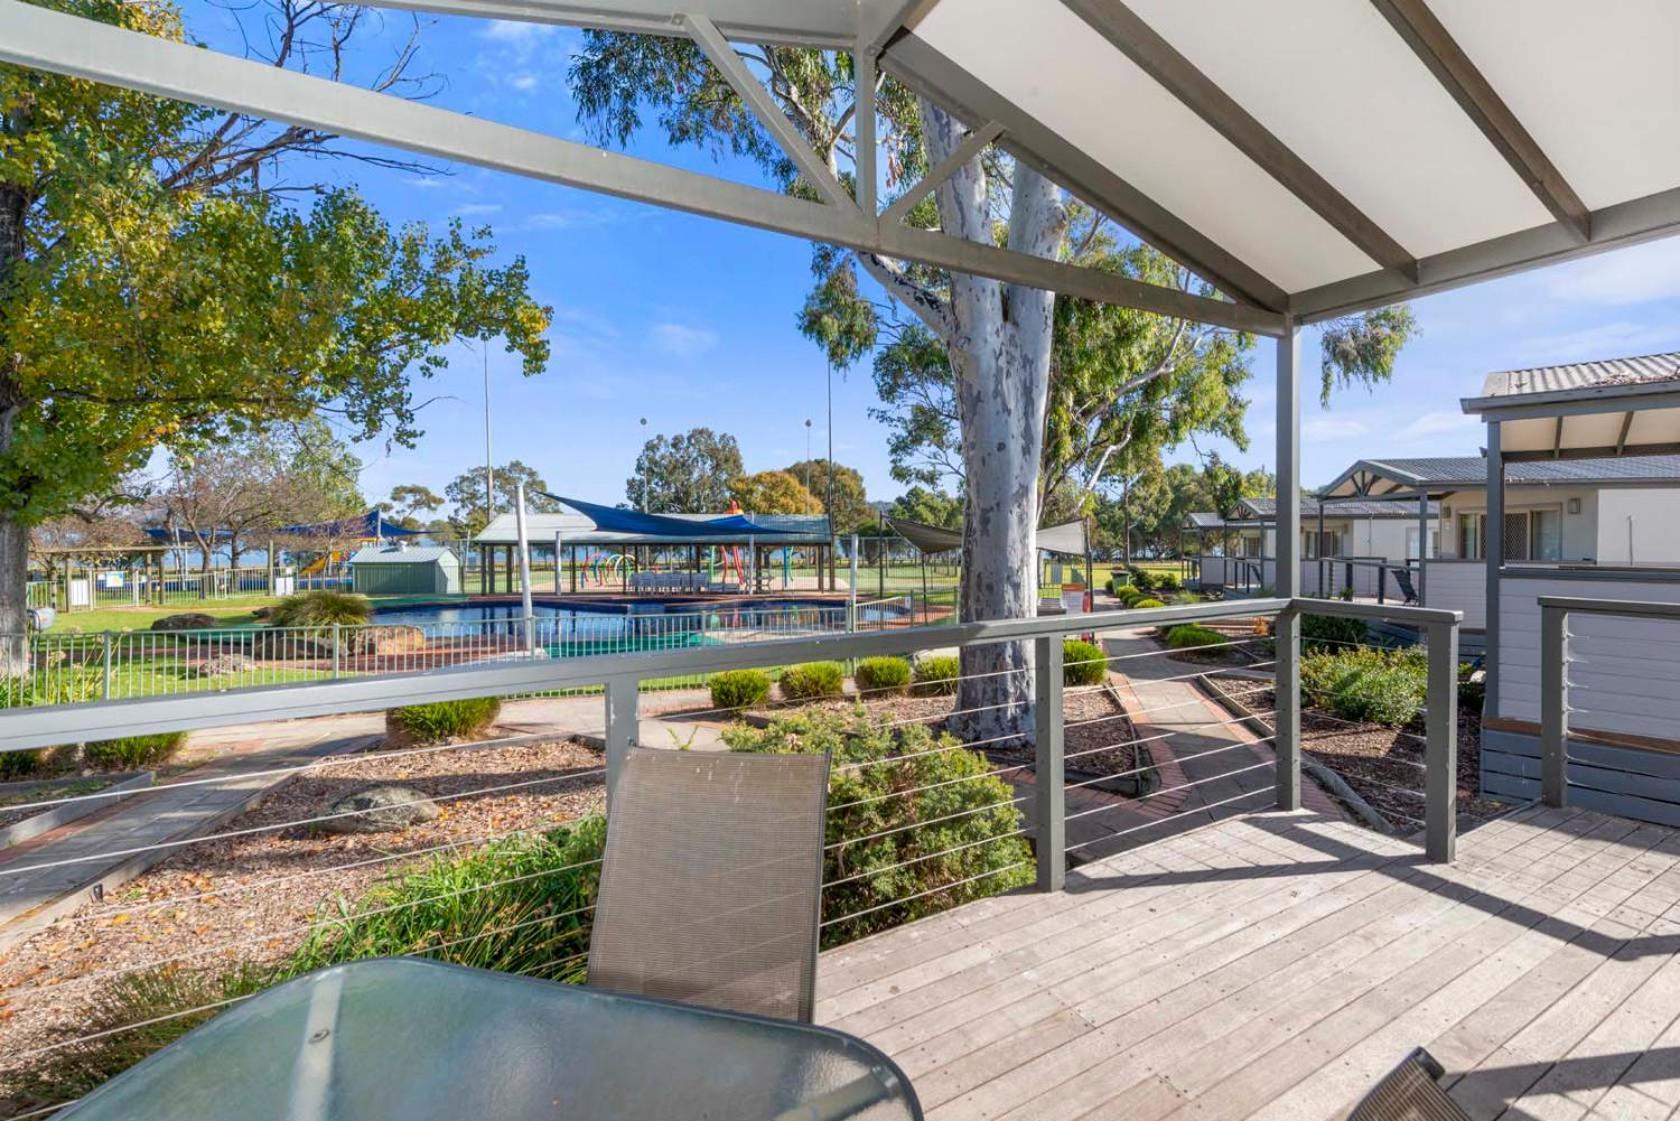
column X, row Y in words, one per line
column 1210, row 766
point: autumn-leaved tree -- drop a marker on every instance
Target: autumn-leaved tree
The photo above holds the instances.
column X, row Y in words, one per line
column 851, row 501
column 996, row 337
column 773, row 492
column 160, row 287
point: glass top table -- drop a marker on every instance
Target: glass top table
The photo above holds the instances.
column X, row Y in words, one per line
column 404, row 1039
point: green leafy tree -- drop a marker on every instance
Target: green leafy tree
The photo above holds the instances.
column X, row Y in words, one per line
column 996, row 337
column 851, row 501
column 930, row 507
column 773, row 492
column 412, row 505
column 159, row 288
column 467, row 493
column 689, row 473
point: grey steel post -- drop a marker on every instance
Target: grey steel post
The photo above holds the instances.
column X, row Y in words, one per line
column 1441, row 752
column 1423, row 540
column 335, row 641
column 1493, row 552
column 1287, row 635
column 106, row 692
column 1049, row 803
column 851, row 591
column 524, row 569
column 623, row 714
column 1554, row 705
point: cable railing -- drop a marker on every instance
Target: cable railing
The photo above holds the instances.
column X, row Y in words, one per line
column 943, row 791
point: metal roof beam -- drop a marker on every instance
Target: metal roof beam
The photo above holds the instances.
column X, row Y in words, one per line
column 812, row 166
column 972, row 145
column 65, row 44
column 926, row 70
column 1441, row 54
column 1613, row 227
column 1141, row 43
column 788, row 23
column 880, row 21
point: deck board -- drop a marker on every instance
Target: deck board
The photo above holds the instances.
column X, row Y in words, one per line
column 1274, row 966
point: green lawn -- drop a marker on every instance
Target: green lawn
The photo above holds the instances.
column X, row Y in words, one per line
column 230, row 612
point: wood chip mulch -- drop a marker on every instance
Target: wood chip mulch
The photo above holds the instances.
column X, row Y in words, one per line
column 1383, row 765
column 252, row 897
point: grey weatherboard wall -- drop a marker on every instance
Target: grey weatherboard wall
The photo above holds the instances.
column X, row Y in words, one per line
column 1625, row 781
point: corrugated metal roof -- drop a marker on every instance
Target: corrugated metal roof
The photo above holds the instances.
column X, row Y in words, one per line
column 1339, row 508
column 1583, row 375
column 374, row 554
column 1471, row 470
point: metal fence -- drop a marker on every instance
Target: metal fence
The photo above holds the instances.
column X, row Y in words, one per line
column 115, row 665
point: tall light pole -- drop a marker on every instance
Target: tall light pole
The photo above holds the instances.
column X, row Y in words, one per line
column 641, row 473
column 807, row 453
column 489, row 469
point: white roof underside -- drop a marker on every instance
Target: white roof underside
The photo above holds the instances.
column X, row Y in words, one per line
column 1334, row 82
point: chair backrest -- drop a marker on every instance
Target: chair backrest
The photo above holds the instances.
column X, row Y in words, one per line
column 1410, row 1092
column 1403, row 577
column 711, row 884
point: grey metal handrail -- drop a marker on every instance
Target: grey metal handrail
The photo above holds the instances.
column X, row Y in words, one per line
column 623, row 675
column 1554, row 678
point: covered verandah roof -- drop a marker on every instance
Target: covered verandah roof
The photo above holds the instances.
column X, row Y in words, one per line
column 1620, row 407
column 1389, row 479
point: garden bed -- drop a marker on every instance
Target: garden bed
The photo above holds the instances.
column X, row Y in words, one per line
column 1383, row 765
column 249, row 898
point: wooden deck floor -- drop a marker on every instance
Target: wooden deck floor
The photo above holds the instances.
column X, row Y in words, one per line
column 1275, row 966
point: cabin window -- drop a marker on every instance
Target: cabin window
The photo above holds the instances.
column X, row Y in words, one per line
column 1471, row 539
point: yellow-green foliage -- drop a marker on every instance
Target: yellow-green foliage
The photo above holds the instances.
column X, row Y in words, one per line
column 739, row 688
column 882, row 675
column 813, row 680
column 907, row 781
column 1083, row 663
column 442, row 721
column 133, row 752
column 937, row 673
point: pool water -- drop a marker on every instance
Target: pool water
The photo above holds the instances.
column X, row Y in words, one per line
column 606, row 615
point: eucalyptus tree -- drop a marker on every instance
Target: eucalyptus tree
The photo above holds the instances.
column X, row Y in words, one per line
column 168, row 279
column 996, row 337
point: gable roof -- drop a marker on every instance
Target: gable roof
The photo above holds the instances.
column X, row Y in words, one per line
column 1639, row 370
column 1396, row 477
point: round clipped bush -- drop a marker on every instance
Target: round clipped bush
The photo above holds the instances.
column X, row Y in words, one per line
column 1148, row 601
column 441, row 721
column 937, row 673
column 321, row 608
column 1083, row 663
column 882, row 675
column 1167, row 582
column 131, row 753
column 1188, row 636
column 813, row 680
column 739, row 688
column 925, row 827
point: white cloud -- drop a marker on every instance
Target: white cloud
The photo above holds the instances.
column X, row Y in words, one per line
column 683, row 342
column 572, row 219
column 515, row 31
column 1635, row 275
column 1327, row 429
column 1440, row 423
column 426, row 182
column 1604, row 340
column 524, row 81
column 475, row 209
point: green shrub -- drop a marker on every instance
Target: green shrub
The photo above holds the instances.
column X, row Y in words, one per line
column 441, row 721
column 132, row 753
column 937, row 673
column 949, row 789
column 1331, row 632
column 509, row 906
column 812, row 680
column 1083, row 663
column 1148, row 601
column 321, row 609
column 64, row 685
column 1142, row 579
column 1167, row 582
column 1188, row 636
column 882, row 675
column 740, row 688
column 1363, row 684
column 15, row 765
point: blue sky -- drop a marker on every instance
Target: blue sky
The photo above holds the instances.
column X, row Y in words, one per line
column 689, row 321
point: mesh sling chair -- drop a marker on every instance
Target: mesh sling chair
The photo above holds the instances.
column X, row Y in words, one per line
column 1410, row 1092
column 711, row 883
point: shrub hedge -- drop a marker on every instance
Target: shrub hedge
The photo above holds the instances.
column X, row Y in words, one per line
column 1148, row 601
column 882, row 675
column 739, row 688
column 1188, row 636
column 951, row 790
column 1365, row 684
column 441, row 721
column 813, row 680
column 936, row 674
column 1331, row 632
column 1083, row 663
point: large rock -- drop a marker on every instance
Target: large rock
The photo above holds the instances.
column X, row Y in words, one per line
column 390, row 639
column 379, row 809
column 223, row 665
column 186, row 621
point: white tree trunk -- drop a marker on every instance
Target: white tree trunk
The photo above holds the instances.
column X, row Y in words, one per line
column 999, row 347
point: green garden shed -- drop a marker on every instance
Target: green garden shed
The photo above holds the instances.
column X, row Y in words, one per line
column 396, row 570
